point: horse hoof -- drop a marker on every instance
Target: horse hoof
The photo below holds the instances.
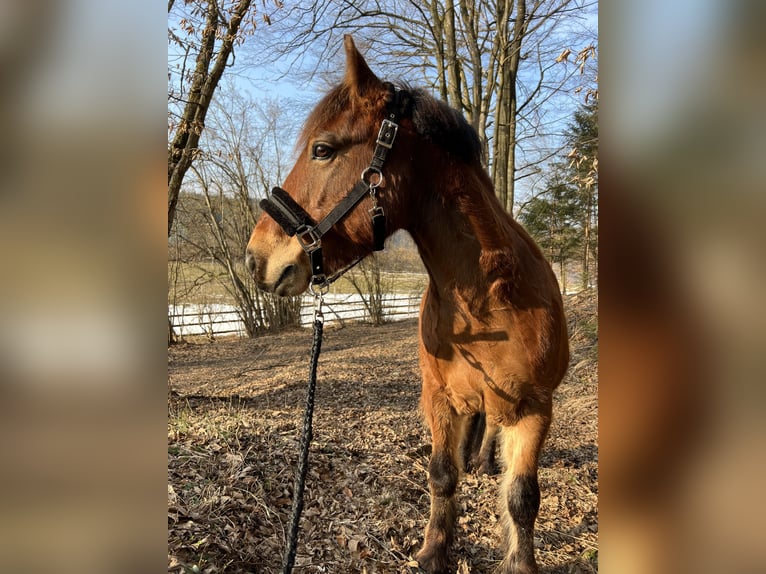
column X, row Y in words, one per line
column 513, row 567
column 488, row 469
column 432, row 562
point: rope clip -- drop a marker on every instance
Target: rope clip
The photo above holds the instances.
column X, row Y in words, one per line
column 318, row 291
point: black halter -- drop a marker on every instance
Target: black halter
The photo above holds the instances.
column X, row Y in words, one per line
column 295, row 221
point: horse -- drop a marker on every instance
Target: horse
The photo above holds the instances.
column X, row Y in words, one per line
column 492, row 332
column 479, row 445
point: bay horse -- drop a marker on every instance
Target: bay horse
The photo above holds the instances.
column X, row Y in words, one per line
column 493, row 338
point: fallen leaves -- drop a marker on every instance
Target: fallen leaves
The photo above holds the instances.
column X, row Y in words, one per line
column 233, row 443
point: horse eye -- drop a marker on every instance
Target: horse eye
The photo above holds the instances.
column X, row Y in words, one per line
column 322, row 151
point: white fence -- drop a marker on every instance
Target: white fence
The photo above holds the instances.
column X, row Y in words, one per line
column 217, row 319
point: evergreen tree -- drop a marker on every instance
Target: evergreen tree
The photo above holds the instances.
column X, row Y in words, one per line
column 553, row 220
column 582, row 138
column 564, row 217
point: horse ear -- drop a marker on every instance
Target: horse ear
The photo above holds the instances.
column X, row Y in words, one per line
column 359, row 77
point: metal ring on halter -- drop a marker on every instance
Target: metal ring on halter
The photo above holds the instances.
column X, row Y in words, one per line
column 319, row 289
column 372, row 171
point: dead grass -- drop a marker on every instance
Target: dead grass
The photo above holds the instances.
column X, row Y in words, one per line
column 234, row 412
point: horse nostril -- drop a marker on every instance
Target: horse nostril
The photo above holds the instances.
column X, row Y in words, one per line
column 286, row 272
column 250, row 262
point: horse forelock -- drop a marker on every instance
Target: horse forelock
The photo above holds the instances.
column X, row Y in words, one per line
column 342, row 102
column 328, row 108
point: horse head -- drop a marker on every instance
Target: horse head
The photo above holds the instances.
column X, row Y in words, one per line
column 336, row 146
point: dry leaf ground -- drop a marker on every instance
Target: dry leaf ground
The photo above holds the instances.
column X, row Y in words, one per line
column 234, row 416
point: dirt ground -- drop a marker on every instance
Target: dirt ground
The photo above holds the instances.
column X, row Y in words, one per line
column 234, row 417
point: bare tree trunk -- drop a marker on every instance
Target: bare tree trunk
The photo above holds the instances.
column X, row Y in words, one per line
column 509, row 43
column 563, row 273
column 477, row 104
column 586, row 241
column 437, row 25
column 453, row 61
column 184, row 146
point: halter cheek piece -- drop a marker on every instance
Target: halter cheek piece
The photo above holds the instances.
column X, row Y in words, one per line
column 296, row 222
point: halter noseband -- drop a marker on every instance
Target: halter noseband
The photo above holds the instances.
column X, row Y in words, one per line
column 295, row 221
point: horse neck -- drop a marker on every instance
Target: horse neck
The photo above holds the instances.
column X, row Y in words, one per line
column 460, row 228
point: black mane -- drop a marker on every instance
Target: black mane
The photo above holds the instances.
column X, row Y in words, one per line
column 445, row 127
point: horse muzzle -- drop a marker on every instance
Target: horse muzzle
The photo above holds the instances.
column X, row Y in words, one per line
column 283, row 276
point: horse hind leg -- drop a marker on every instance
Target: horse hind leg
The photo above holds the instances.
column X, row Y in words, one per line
column 447, row 429
column 520, row 494
column 479, row 451
column 485, row 461
column 473, row 440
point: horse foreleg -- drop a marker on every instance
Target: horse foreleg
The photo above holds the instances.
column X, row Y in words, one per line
column 443, row 473
column 520, row 495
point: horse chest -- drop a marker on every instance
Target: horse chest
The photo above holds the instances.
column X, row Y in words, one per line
column 474, row 368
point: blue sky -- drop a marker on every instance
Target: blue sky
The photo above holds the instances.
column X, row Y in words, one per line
column 257, row 73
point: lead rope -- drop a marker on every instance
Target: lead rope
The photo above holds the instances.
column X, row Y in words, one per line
column 303, row 459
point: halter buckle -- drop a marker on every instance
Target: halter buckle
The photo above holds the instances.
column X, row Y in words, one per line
column 313, row 242
column 387, row 133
